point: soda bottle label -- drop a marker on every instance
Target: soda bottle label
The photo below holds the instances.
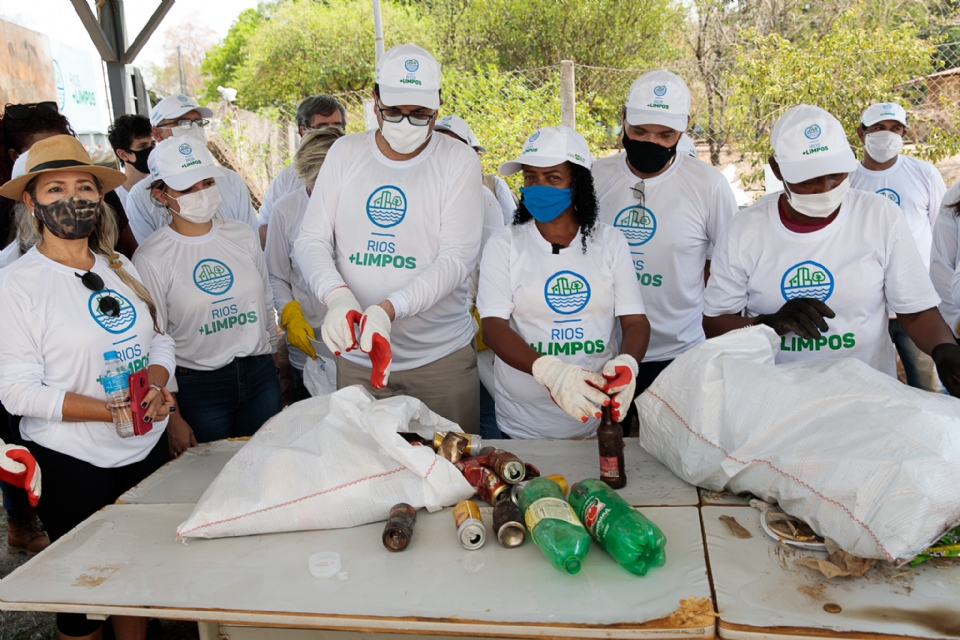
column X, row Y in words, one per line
column 609, row 467
column 112, row 384
column 550, row 508
column 594, row 515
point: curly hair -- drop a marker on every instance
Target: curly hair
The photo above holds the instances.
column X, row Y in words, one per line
column 586, row 209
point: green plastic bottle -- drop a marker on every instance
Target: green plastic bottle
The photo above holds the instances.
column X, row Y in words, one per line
column 553, row 524
column 626, row 534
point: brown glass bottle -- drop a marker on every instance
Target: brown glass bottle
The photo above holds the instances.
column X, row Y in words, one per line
column 610, row 441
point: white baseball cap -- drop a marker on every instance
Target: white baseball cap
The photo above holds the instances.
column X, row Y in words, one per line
column 458, row 127
column 20, row 166
column 181, row 162
column 659, row 97
column 551, row 146
column 809, row 142
column 407, row 74
column 172, row 107
column 884, row 111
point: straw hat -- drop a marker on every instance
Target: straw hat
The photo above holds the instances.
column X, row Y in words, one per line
column 60, row 153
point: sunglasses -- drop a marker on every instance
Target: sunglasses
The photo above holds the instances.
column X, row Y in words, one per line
column 23, row 111
column 108, row 305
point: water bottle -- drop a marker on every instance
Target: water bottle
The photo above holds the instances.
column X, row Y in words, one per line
column 116, row 382
column 553, row 524
column 626, row 534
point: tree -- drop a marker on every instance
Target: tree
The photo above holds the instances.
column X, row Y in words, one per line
column 222, row 60
column 193, row 40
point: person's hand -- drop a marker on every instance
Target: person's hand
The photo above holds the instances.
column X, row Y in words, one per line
column 19, row 468
column 620, row 374
column 343, row 312
column 803, row 316
column 946, row 357
column 179, row 435
column 158, row 404
column 573, row 389
column 299, row 331
column 375, row 342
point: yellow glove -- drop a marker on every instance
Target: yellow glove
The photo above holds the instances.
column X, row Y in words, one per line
column 480, row 345
column 298, row 329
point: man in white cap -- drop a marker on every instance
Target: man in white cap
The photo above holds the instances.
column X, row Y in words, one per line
column 179, row 115
column 388, row 240
column 917, row 188
column 820, row 251
column 671, row 208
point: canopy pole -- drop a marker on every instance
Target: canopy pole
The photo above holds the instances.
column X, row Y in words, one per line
column 377, row 29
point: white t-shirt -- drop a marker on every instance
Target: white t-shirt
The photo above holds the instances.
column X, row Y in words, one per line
column 212, row 293
column 282, row 185
column 123, row 194
column 671, row 237
column 285, row 275
column 945, row 258
column 404, row 231
column 563, row 304
column 54, row 338
column 10, row 253
column 146, row 217
column 492, row 222
column 505, row 199
column 916, row 187
column 857, row 265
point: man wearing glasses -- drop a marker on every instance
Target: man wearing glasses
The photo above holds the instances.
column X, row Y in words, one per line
column 179, row 115
column 388, row 240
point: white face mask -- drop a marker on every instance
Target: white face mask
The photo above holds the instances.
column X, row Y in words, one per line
column 883, row 146
column 404, row 137
column 818, row 205
column 193, row 131
column 198, row 207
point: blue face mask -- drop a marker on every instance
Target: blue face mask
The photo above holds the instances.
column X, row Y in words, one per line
column 546, row 204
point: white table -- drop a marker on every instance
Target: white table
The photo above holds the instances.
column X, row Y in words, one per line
column 183, row 481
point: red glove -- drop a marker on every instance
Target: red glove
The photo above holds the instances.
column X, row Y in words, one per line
column 19, row 468
column 620, row 374
column 375, row 342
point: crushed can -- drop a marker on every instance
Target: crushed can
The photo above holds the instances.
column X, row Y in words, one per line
column 473, row 446
column 506, row 465
column 453, row 447
column 490, row 487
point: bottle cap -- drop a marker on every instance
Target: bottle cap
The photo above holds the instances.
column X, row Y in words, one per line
column 111, row 355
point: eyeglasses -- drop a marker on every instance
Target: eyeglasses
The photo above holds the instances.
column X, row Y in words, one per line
column 395, row 115
column 639, row 191
column 185, row 124
column 23, row 111
column 108, row 305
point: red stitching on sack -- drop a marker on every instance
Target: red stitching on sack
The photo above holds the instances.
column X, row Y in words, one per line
column 786, row 475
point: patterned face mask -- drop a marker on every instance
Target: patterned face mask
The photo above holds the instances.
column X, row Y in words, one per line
column 69, row 218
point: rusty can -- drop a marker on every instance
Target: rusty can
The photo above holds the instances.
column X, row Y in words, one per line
column 559, row 479
column 469, row 523
column 453, row 447
column 508, row 524
column 490, row 487
column 532, row 471
column 506, row 465
column 473, row 444
column 399, row 527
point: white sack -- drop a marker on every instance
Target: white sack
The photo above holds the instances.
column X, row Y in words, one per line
column 329, row 462
column 320, row 375
column 865, row 460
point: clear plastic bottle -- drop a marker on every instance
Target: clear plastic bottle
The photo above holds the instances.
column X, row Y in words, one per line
column 626, row 534
column 116, row 382
column 553, row 524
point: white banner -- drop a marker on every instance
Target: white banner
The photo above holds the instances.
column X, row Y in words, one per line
column 78, row 92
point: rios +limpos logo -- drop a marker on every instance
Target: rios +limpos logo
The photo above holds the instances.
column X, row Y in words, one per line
column 213, row 277
column 387, row 206
column 567, row 292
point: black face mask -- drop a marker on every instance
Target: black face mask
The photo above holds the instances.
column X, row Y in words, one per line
column 140, row 159
column 648, row 157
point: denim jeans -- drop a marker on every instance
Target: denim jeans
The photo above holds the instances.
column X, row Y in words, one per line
column 488, row 416
column 230, row 402
column 919, row 367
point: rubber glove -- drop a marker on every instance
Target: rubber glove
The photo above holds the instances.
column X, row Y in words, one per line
column 19, row 468
column 573, row 389
column 947, row 358
column 621, row 376
column 343, row 312
column 803, row 316
column 375, row 342
column 299, row 331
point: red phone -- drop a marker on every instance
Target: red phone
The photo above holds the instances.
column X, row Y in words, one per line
column 139, row 386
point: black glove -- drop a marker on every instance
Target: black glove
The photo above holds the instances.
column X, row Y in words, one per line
column 803, row 316
column 947, row 358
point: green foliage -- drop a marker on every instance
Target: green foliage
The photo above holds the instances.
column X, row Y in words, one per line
column 223, row 60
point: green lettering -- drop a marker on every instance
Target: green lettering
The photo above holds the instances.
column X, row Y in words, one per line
column 599, row 346
column 783, row 344
column 657, row 280
column 821, row 342
column 836, row 342
column 848, row 341
column 220, row 324
column 803, row 343
column 375, row 259
column 385, row 260
column 251, row 316
column 561, row 347
column 232, row 321
column 411, row 263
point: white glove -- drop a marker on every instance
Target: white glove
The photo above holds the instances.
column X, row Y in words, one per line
column 343, row 311
column 574, row 389
column 620, row 374
column 375, row 342
column 19, row 468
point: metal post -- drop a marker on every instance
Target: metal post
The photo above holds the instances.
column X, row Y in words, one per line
column 377, row 30
column 568, row 93
column 183, row 76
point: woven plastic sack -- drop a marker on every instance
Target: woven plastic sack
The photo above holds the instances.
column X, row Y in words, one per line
column 320, row 375
column 863, row 459
column 329, row 462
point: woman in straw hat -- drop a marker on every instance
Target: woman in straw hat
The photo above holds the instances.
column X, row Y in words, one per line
column 68, row 301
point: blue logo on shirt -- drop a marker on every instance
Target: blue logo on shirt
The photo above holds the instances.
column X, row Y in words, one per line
column 112, row 324
column 890, row 195
column 213, row 277
column 812, row 132
column 387, row 206
column 638, row 224
column 567, row 292
column 807, row 280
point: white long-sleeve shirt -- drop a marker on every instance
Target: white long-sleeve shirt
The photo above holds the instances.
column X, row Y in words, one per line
column 282, row 185
column 404, row 231
column 54, row 338
column 945, row 258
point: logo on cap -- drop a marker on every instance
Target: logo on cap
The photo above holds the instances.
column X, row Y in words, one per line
column 387, row 206
column 890, row 195
column 182, row 98
column 887, row 105
column 533, row 137
column 185, row 149
column 411, row 65
column 112, row 324
column 637, row 224
column 660, row 90
column 812, row 132
column 567, row 292
column 212, row 276
column 807, row 280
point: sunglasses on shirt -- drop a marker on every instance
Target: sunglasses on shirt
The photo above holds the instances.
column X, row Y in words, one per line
column 108, row 305
column 23, row 111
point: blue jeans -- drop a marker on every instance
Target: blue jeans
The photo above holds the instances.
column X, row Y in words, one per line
column 488, row 416
column 919, row 367
column 230, row 402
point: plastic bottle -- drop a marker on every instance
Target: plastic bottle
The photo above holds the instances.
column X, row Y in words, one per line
column 553, row 524
column 626, row 534
column 116, row 382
